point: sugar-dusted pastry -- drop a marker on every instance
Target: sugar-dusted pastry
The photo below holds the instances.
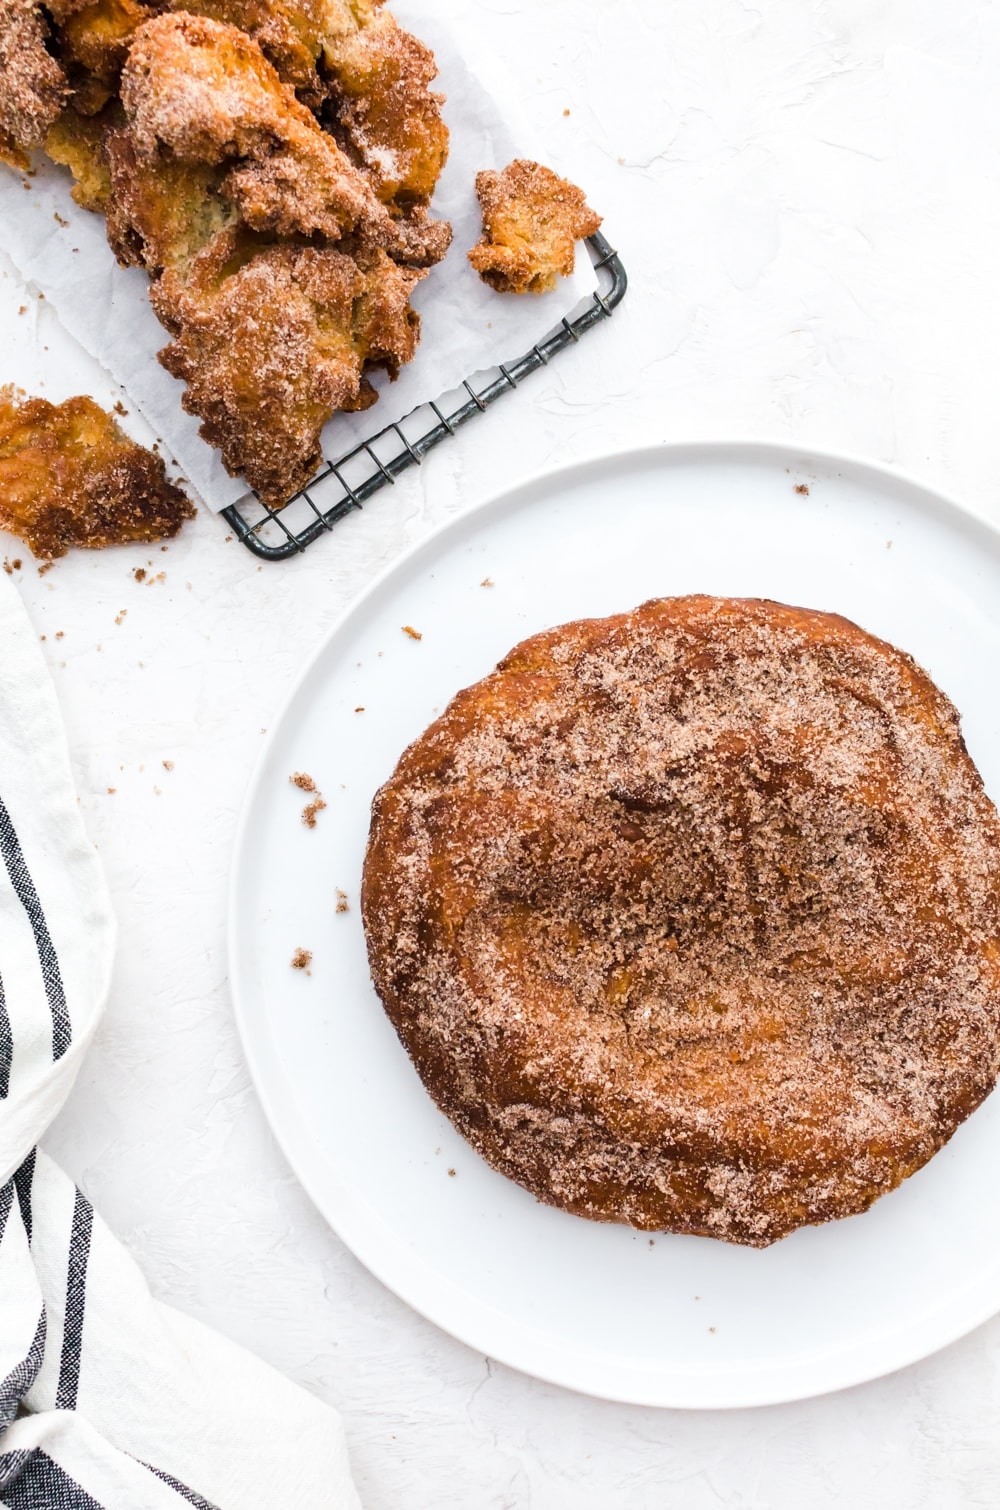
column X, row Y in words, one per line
column 689, row 918
column 532, row 220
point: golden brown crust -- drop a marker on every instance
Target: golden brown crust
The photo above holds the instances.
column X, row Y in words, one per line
column 217, row 179
column 161, row 212
column 33, row 87
column 532, row 220
column 305, row 322
column 385, row 110
column 690, row 917
column 77, row 142
column 92, row 40
column 69, row 476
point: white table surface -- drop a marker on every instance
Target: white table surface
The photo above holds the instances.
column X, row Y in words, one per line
column 805, row 198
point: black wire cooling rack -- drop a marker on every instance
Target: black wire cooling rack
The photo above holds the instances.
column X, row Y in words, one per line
column 339, row 486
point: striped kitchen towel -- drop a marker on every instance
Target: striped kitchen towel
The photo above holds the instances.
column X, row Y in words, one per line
column 107, row 1398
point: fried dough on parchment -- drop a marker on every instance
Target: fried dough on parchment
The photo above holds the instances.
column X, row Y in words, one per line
column 291, row 34
column 282, row 254
column 271, row 340
column 384, row 111
column 33, row 87
column 197, row 91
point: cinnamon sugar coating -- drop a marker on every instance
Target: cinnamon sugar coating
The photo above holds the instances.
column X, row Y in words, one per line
column 33, row 86
column 532, row 220
column 69, row 476
column 689, row 918
column 202, row 142
column 307, row 322
column 384, row 111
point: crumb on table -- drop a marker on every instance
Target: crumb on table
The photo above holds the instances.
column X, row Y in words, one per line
column 303, row 781
column 302, row 959
column 342, row 903
column 413, row 633
column 310, row 810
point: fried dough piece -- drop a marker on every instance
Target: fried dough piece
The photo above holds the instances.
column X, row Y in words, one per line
column 160, row 211
column 290, row 33
column 92, row 41
column 689, row 917
column 77, row 142
column 384, row 111
column 203, row 91
column 33, row 87
column 272, row 340
column 212, row 174
column 376, row 75
column 199, row 92
column 70, row 476
column 531, row 221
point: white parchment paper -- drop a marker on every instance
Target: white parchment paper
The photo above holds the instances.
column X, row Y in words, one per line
column 466, row 327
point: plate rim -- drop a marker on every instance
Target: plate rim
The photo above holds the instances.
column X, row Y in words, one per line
column 685, row 1389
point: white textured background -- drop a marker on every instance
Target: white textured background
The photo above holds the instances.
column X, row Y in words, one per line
column 806, row 199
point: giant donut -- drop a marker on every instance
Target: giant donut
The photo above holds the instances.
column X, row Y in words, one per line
column 689, row 918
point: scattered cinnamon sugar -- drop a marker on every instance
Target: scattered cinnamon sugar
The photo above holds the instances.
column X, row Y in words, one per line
column 413, row 633
column 120, row 616
column 310, row 811
column 302, row 959
column 140, row 574
column 342, row 902
column 305, row 783
column 803, row 489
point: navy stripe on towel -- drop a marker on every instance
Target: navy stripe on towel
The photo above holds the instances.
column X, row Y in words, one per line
column 14, row 1463
column 198, row 1500
column 42, row 1485
column 6, row 1202
column 6, row 1045
column 24, row 887
column 20, row 1379
column 76, row 1303
column 23, row 1178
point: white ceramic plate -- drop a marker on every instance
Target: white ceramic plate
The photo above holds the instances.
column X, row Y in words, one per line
column 677, row 1321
